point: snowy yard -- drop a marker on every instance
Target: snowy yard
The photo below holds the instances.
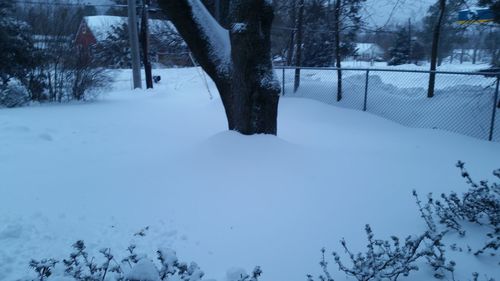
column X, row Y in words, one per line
column 162, row 158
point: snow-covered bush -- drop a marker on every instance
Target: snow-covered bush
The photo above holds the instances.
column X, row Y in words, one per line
column 87, row 79
column 172, row 269
column 391, row 259
column 43, row 268
column 81, row 266
column 13, row 94
column 479, row 205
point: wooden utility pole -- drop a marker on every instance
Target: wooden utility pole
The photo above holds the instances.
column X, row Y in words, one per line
column 298, row 52
column 338, row 58
column 134, row 44
column 145, row 44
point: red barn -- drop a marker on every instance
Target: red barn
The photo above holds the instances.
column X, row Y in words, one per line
column 169, row 48
column 95, row 28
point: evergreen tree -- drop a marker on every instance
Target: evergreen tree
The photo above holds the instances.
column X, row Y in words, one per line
column 405, row 49
column 399, row 53
column 318, row 44
column 114, row 51
column 417, row 53
column 15, row 44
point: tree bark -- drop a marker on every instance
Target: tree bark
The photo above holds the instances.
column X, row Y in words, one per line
column 238, row 60
column 435, row 48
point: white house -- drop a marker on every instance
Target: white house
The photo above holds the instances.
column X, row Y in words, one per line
column 368, row 51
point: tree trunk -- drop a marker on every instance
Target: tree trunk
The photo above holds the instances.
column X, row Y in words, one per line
column 298, row 55
column 476, row 47
column 238, row 60
column 254, row 87
column 410, row 42
column 435, row 48
column 336, row 30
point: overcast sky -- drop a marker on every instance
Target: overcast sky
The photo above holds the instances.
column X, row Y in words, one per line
column 380, row 12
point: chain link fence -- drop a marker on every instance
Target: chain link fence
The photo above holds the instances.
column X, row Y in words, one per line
column 464, row 102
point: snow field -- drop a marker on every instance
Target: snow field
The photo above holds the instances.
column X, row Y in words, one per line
column 162, row 158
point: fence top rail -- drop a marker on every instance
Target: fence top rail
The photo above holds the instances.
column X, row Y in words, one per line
column 493, row 74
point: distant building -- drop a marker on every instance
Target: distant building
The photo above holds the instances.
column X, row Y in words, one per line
column 95, row 28
column 369, row 52
column 165, row 43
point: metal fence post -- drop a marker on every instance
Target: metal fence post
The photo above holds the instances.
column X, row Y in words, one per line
column 495, row 101
column 283, row 81
column 366, row 89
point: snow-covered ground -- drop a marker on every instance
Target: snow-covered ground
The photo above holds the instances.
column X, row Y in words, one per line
column 162, row 158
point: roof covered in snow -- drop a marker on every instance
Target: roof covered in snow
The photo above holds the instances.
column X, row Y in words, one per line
column 101, row 26
column 368, row 48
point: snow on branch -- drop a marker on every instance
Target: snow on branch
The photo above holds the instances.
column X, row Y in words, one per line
column 216, row 35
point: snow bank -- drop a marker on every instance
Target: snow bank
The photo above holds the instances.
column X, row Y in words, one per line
column 462, row 104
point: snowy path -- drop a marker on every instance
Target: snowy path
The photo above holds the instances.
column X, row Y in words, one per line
column 104, row 170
